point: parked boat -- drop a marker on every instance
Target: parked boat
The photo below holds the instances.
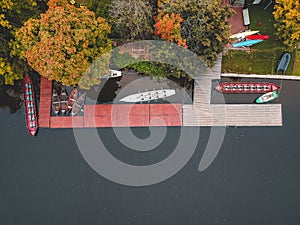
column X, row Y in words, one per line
column 63, row 100
column 257, row 37
column 284, row 63
column 72, row 98
column 30, row 107
column 55, row 102
column 112, row 74
column 267, row 97
column 247, row 43
column 77, row 106
column 149, row 95
column 244, row 34
column 246, row 87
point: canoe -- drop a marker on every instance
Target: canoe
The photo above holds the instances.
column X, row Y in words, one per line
column 283, row 63
column 267, row 97
column 55, row 102
column 77, row 106
column 72, row 98
column 244, row 34
column 246, row 87
column 247, row 43
column 63, row 100
column 149, row 95
column 30, row 106
column 257, row 37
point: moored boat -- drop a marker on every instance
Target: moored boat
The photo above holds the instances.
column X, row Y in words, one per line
column 244, row 34
column 63, row 100
column 247, row 43
column 246, row 87
column 112, row 74
column 77, row 106
column 30, row 107
column 72, row 98
column 257, row 37
column 55, row 102
column 284, row 63
column 267, row 97
column 149, row 95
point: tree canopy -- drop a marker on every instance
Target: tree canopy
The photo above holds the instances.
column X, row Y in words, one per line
column 12, row 15
column 63, row 43
column 131, row 19
column 287, row 16
column 204, row 25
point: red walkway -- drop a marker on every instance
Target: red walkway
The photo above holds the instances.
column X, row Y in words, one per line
column 109, row 115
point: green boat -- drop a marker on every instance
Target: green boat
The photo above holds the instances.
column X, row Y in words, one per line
column 267, row 97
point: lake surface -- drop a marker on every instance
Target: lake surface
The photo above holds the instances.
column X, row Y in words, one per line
column 253, row 180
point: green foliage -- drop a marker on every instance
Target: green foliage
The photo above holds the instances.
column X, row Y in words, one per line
column 131, row 19
column 63, row 43
column 204, row 25
column 101, row 8
column 287, row 16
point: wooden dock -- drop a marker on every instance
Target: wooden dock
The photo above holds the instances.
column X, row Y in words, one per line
column 203, row 113
column 200, row 113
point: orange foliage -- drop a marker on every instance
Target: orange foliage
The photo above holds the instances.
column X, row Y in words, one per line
column 168, row 28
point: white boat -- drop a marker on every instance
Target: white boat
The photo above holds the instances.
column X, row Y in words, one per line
column 76, row 108
column 112, row 74
column 149, row 95
column 244, row 34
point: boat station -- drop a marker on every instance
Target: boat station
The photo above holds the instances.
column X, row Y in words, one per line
column 200, row 113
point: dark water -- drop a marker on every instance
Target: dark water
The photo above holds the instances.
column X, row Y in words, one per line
column 253, row 180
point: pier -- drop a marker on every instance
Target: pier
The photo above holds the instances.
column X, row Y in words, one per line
column 200, row 113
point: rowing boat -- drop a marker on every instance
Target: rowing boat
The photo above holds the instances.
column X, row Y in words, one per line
column 246, row 87
column 244, row 34
column 246, row 43
column 267, row 97
column 149, row 95
column 284, row 63
column 72, row 98
column 30, row 107
column 77, row 106
column 55, row 102
column 63, row 100
column 257, row 37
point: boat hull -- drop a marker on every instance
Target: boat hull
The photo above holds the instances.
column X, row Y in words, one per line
column 55, row 102
column 247, row 43
column 149, row 95
column 63, row 101
column 283, row 63
column 30, row 106
column 267, row 97
column 257, row 37
column 246, row 87
column 77, row 106
column 72, row 98
column 244, row 34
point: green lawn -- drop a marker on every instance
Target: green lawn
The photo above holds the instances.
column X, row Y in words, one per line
column 264, row 56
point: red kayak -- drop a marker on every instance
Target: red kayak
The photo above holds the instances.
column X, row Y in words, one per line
column 246, row 87
column 257, row 37
column 30, row 107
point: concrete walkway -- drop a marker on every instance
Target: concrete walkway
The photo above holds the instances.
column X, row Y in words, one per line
column 267, row 76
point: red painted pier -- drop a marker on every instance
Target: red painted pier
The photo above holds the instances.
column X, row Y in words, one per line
column 109, row 115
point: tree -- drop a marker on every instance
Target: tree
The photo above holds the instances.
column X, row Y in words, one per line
column 63, row 43
column 131, row 19
column 12, row 16
column 287, row 16
column 101, row 8
column 168, row 27
column 204, row 25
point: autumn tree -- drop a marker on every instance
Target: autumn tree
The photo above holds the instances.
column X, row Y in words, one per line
column 204, row 25
column 12, row 16
column 287, row 16
column 131, row 19
column 168, row 28
column 63, row 43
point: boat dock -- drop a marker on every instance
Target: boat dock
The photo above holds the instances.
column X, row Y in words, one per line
column 200, row 113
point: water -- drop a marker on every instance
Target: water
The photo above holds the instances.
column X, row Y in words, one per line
column 253, row 180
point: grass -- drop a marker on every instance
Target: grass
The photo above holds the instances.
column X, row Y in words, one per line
column 297, row 64
column 263, row 57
